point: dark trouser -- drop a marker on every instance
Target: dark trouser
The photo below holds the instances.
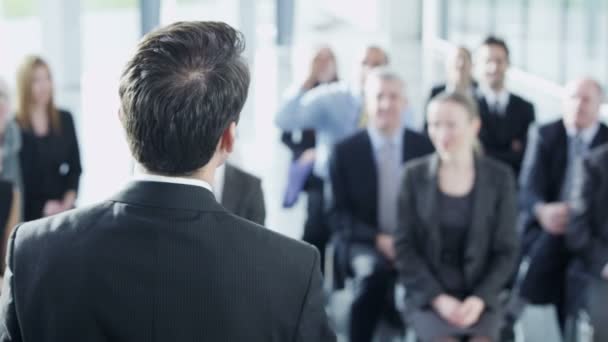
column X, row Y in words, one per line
column 316, row 231
column 374, row 280
column 598, row 308
column 547, row 277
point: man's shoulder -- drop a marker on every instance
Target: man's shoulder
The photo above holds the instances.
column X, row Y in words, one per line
column 552, row 130
column 264, row 240
column 356, row 141
column 519, row 100
column 416, row 136
column 57, row 233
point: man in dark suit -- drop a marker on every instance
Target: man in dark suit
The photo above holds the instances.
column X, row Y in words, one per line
column 587, row 236
column 162, row 260
column 365, row 171
column 240, row 193
column 552, row 163
column 505, row 117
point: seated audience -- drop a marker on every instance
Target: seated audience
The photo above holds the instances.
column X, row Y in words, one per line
column 551, row 166
column 456, row 246
column 365, row 171
column 302, row 143
column 587, row 236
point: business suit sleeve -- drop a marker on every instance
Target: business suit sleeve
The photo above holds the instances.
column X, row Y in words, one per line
column 413, row 268
column 257, row 207
column 303, row 109
column 10, row 330
column 533, row 181
column 503, row 245
column 313, row 325
column 73, row 177
column 581, row 238
column 341, row 220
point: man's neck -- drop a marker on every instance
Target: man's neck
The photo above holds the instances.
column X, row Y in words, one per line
column 497, row 89
column 205, row 174
column 460, row 160
column 389, row 132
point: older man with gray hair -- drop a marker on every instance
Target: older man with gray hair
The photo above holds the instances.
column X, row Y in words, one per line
column 551, row 167
column 365, row 171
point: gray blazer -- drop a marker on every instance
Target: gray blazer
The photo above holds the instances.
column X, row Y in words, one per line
column 242, row 195
column 492, row 246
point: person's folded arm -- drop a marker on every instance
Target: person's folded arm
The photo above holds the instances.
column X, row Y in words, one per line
column 303, row 109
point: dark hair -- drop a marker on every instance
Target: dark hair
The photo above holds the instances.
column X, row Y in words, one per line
column 180, row 91
column 492, row 40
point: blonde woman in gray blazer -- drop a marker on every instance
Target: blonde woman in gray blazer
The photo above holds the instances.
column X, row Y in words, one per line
column 456, row 243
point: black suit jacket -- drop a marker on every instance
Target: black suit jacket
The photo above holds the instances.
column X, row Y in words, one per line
column 491, row 250
column 242, row 195
column 159, row 262
column 353, row 172
column 543, row 173
column 551, row 264
column 50, row 166
column 499, row 133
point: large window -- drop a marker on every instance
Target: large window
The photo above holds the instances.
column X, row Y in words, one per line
column 109, row 32
column 21, row 35
column 555, row 39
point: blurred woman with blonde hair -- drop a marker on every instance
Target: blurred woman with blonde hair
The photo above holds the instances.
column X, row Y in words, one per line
column 456, row 243
column 50, row 157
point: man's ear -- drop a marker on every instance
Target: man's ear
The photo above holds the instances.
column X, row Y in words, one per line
column 228, row 139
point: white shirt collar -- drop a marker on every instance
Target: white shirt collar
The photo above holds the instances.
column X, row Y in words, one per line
column 378, row 139
column 139, row 176
column 218, row 187
column 586, row 134
column 492, row 97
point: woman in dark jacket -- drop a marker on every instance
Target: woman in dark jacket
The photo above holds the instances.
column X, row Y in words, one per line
column 456, row 243
column 50, row 158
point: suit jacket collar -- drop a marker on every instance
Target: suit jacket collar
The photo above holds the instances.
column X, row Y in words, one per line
column 168, row 196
